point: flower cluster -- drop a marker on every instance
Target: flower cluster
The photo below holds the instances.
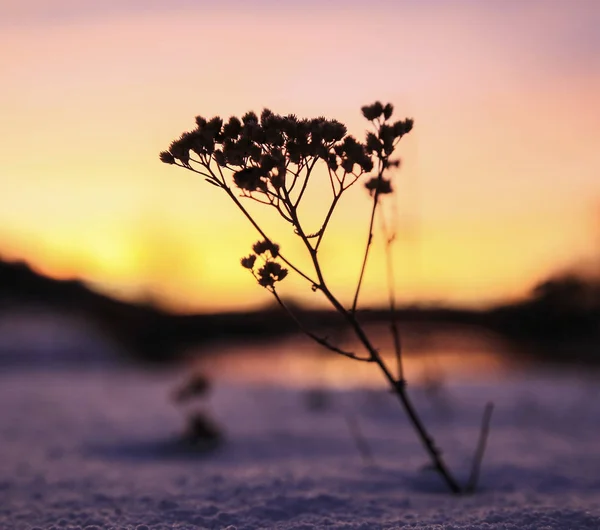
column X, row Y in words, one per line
column 383, row 142
column 271, row 271
column 379, row 185
column 265, row 156
column 262, row 247
column 258, row 151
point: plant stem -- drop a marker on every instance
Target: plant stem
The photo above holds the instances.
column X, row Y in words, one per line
column 398, row 387
column 321, row 231
column 359, row 439
column 320, row 340
column 262, row 233
column 369, row 239
column 389, row 239
column 481, row 444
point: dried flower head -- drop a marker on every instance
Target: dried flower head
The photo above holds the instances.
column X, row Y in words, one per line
column 270, row 273
column 212, row 129
column 372, row 112
column 219, row 157
column 248, row 261
column 380, row 185
column 387, row 137
column 232, row 129
column 373, row 144
column 167, row 157
column 249, row 179
column 180, row 148
column 403, row 127
column 388, row 110
column 260, row 247
column 265, row 115
column 250, row 117
column 332, row 162
column 333, row 131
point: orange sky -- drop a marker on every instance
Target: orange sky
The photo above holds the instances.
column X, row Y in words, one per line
column 501, row 175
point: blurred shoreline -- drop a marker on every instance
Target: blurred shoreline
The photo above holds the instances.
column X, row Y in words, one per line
column 559, row 322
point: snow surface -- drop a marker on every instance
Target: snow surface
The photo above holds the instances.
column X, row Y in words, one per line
column 97, row 447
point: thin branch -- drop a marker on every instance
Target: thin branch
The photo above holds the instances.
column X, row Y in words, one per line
column 389, row 240
column 190, row 168
column 332, row 174
column 253, row 198
column 321, row 231
column 369, row 239
column 220, row 172
column 479, row 452
column 213, row 177
column 309, row 169
column 321, row 340
column 399, row 389
column 356, row 177
column 264, row 236
column 283, row 214
column 296, row 174
column 359, row 439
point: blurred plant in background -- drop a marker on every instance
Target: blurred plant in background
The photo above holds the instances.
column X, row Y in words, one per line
column 270, row 160
column 201, row 431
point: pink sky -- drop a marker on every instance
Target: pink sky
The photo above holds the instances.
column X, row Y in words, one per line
column 500, row 183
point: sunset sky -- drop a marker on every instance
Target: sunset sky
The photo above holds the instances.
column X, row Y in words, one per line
column 500, row 183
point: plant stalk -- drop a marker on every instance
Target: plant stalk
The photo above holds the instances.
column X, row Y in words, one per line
column 398, row 387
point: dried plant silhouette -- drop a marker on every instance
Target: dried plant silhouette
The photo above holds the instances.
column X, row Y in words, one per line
column 270, row 160
column 201, row 431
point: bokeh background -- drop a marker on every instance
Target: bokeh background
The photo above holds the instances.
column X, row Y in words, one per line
column 500, row 180
column 133, row 344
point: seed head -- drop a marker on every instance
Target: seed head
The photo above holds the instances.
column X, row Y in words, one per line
column 403, row 127
column 167, row 157
column 180, row 148
column 373, row 143
column 260, row 247
column 270, row 273
column 249, row 179
column 250, row 117
column 388, row 110
column 232, row 128
column 333, row 131
column 219, row 157
column 382, row 186
column 372, row 112
column 248, row 261
column 265, row 115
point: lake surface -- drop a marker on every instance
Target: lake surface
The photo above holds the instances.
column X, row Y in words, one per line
column 430, row 356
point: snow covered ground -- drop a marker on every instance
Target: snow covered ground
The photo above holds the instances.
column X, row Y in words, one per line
column 96, row 447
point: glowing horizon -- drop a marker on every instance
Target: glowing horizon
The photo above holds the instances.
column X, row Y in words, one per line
column 499, row 179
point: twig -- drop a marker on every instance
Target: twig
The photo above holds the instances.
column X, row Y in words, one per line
column 389, row 240
column 321, row 340
column 262, row 233
column 359, row 439
column 399, row 388
column 479, row 452
column 369, row 239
